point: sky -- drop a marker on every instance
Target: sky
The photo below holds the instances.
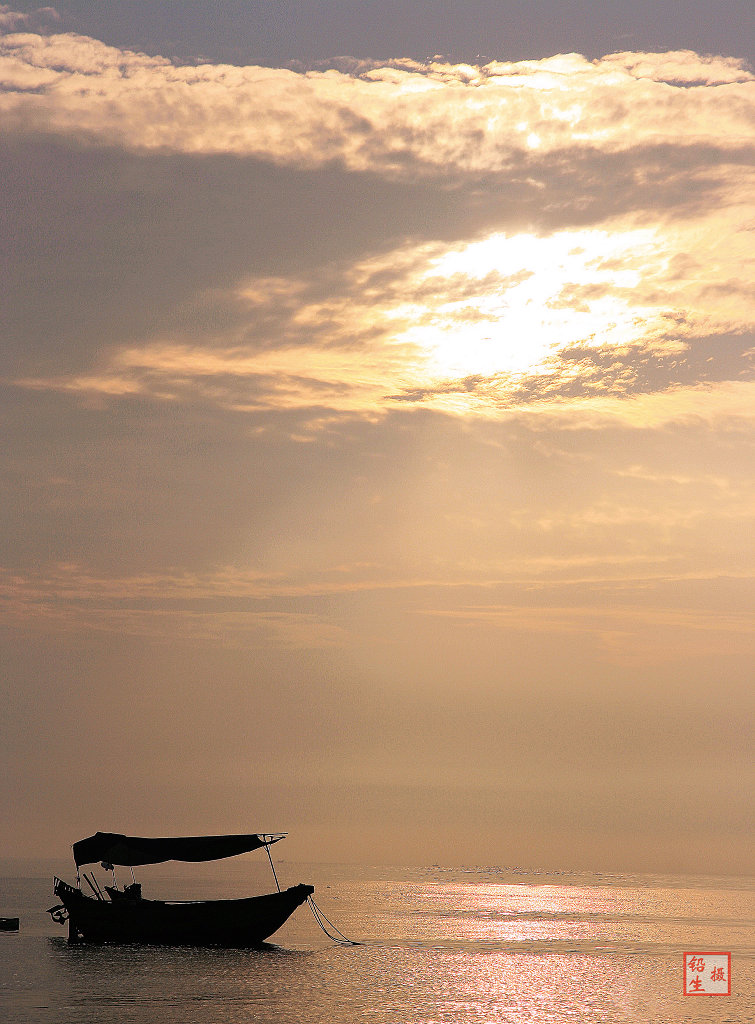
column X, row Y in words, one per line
column 377, row 403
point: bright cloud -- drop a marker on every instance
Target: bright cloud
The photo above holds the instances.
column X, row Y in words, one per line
column 473, row 328
column 474, row 325
column 441, row 118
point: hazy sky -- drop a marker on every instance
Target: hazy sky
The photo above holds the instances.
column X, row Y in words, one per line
column 377, row 403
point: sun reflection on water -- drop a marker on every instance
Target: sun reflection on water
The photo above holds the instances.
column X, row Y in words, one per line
column 435, row 949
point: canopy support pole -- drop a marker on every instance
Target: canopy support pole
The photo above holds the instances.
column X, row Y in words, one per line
column 267, row 849
column 91, row 885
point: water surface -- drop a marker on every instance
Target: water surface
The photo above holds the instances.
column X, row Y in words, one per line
column 461, row 946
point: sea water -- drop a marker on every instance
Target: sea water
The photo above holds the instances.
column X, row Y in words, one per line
column 463, row 946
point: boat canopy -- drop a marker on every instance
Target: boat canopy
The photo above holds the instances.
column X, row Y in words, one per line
column 130, row 851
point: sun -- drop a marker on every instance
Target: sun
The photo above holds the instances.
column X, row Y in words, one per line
column 507, row 304
column 458, row 327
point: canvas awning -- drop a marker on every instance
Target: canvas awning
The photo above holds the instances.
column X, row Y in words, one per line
column 113, row 848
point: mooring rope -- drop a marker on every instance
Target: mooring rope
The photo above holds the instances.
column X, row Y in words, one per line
column 339, row 937
column 318, row 915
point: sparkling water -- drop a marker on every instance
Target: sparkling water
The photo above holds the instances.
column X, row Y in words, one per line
column 436, row 945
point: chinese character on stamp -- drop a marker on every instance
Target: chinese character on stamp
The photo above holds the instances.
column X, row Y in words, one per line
column 707, row 974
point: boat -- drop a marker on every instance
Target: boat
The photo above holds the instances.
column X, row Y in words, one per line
column 9, row 924
column 125, row 916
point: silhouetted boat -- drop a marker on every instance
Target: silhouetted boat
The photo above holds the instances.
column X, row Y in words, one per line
column 122, row 915
column 8, row 924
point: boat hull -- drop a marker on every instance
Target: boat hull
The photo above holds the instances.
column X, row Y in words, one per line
column 230, row 923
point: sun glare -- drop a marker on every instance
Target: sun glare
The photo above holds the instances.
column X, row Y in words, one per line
column 459, row 328
column 508, row 303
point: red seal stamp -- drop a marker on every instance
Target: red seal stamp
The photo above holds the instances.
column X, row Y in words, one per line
column 707, row 974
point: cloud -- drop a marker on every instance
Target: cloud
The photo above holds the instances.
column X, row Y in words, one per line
column 619, row 192
column 174, row 233
column 44, row 18
column 482, row 327
column 682, row 67
column 402, row 119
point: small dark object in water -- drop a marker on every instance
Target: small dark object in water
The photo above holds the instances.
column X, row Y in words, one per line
column 8, row 924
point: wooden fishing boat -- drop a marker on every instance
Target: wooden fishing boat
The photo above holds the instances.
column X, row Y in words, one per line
column 124, row 916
